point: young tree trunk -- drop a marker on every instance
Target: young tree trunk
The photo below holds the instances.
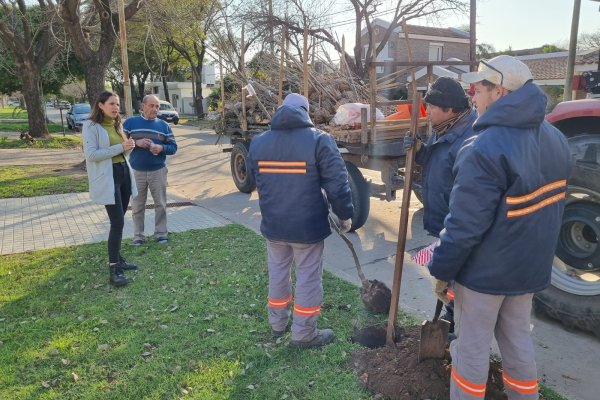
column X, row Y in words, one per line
column 165, row 88
column 198, row 85
column 94, row 80
column 33, row 98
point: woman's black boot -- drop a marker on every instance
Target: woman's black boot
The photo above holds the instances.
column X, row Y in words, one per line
column 116, row 277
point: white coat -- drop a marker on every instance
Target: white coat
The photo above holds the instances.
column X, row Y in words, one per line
column 98, row 158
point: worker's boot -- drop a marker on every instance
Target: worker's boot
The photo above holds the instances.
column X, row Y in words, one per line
column 324, row 336
column 116, row 277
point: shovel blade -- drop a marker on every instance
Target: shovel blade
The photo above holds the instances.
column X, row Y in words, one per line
column 434, row 338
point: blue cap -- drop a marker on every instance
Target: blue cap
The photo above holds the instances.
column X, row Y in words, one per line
column 295, row 100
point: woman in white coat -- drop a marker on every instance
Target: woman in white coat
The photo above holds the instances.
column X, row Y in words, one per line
column 110, row 177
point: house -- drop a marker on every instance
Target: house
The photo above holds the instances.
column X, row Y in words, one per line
column 426, row 44
column 181, row 93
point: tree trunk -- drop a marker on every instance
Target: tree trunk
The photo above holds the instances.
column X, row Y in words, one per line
column 165, row 88
column 198, row 97
column 94, row 80
column 33, row 99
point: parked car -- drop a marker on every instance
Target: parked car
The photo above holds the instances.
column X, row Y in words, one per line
column 77, row 114
column 168, row 113
column 64, row 105
column 49, row 103
column 13, row 103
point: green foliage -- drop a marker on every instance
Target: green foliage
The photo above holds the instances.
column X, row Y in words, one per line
column 192, row 324
column 550, row 48
column 232, row 87
column 56, row 141
column 41, row 180
column 16, row 127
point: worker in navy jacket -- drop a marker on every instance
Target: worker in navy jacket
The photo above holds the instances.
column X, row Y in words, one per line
column 299, row 172
column 500, row 235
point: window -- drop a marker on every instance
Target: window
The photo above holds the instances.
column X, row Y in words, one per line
column 435, row 51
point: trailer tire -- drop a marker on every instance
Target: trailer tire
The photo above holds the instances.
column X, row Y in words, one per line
column 240, row 170
column 361, row 196
column 576, row 304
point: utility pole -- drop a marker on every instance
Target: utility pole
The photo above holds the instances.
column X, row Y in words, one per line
column 472, row 34
column 124, row 59
column 568, row 90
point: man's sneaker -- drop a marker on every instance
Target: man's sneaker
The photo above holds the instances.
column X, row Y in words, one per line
column 324, row 337
column 127, row 266
column 138, row 242
column 162, row 240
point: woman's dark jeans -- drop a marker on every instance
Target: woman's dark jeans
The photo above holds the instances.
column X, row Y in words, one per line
column 116, row 212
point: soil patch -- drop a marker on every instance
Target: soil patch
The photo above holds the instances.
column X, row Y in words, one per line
column 395, row 373
column 74, row 170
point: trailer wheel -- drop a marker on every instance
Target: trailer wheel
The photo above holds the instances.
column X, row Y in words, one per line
column 574, row 295
column 361, row 196
column 240, row 170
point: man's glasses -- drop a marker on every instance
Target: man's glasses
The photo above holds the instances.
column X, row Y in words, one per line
column 493, row 69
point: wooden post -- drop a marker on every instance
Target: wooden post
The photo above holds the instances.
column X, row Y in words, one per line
column 373, row 89
column 244, row 122
column 472, row 34
column 343, row 56
column 305, row 59
column 401, row 245
column 222, row 91
column 282, row 49
column 124, row 59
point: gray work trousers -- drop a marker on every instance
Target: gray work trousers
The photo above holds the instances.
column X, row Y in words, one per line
column 478, row 317
column 156, row 182
column 309, row 287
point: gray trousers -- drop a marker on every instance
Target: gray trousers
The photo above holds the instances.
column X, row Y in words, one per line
column 309, row 287
column 478, row 317
column 156, row 181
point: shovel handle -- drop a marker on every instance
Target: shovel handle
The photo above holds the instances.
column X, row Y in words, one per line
column 438, row 310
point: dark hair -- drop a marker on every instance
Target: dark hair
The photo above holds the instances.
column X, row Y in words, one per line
column 97, row 115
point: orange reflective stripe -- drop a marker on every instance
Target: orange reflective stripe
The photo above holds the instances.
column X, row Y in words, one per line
column 470, row 388
column 281, row 171
column 531, row 209
column 282, row 163
column 450, row 294
column 307, row 311
column 544, row 189
column 525, row 387
column 280, row 303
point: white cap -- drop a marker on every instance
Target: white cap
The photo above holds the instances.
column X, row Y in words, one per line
column 503, row 70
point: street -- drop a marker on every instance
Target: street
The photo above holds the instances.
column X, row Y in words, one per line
column 200, row 171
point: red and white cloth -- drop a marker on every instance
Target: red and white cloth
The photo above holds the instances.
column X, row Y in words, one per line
column 423, row 256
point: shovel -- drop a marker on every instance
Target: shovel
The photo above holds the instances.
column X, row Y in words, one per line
column 434, row 336
column 375, row 295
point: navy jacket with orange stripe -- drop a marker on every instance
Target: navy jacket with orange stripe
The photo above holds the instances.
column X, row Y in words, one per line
column 292, row 163
column 507, row 201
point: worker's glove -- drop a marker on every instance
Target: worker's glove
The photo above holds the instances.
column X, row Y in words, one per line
column 408, row 143
column 441, row 290
column 345, row 225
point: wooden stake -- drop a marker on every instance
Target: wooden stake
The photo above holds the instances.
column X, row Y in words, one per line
column 244, row 121
column 373, row 87
column 222, row 90
column 281, row 69
column 343, row 56
column 305, row 59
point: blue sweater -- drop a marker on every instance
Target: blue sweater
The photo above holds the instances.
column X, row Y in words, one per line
column 159, row 132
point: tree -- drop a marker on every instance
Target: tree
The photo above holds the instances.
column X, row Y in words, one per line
column 184, row 25
column 26, row 32
column 589, row 40
column 485, row 50
column 364, row 15
column 93, row 29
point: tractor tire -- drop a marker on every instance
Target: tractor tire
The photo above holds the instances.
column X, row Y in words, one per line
column 574, row 295
column 240, row 170
column 361, row 196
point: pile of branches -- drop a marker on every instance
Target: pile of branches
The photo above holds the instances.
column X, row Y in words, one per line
column 329, row 87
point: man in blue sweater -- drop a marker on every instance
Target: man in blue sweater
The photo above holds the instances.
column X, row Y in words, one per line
column 154, row 140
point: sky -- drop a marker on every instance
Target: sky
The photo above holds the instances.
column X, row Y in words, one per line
column 519, row 24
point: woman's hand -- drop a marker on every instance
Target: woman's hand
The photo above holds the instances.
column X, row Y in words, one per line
column 128, row 144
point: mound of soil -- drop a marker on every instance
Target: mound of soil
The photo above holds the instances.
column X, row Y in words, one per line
column 395, row 373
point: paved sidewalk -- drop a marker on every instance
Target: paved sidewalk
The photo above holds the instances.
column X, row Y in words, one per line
column 45, row 222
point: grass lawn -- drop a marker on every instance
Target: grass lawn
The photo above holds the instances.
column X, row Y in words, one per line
column 15, row 127
column 56, row 141
column 13, row 112
column 192, row 324
column 41, row 180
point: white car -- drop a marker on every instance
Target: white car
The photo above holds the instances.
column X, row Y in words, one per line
column 167, row 112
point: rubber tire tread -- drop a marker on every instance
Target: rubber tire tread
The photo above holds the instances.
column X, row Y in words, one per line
column 361, row 196
column 249, row 184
